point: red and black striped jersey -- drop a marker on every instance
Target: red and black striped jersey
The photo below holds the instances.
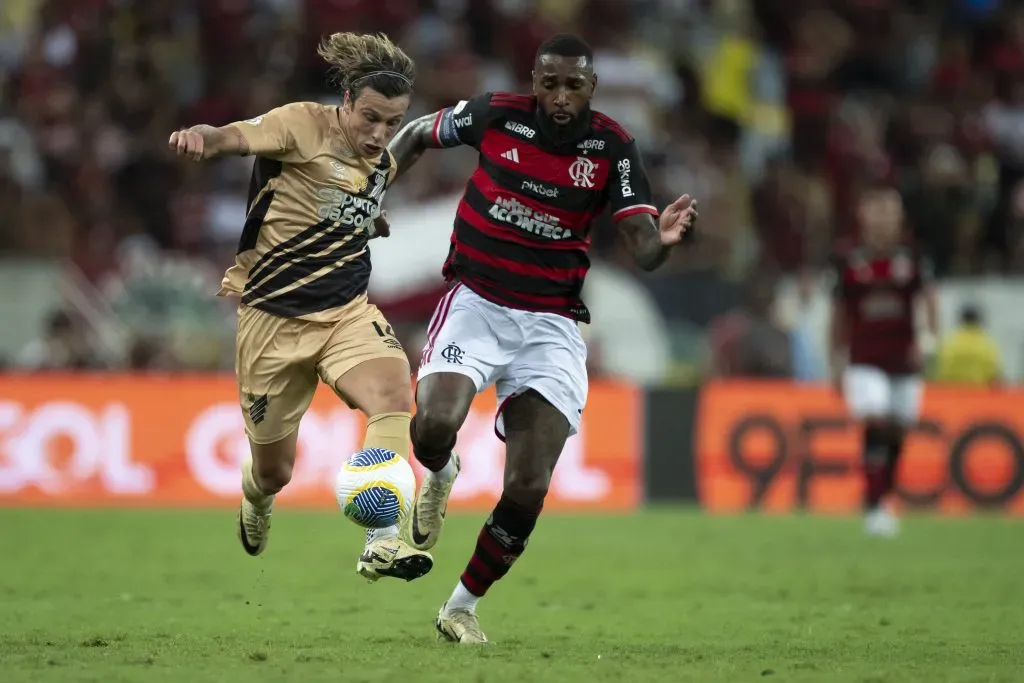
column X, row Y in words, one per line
column 522, row 229
column 877, row 294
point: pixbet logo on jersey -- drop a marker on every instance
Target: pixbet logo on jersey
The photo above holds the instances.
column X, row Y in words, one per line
column 540, row 189
column 582, row 172
column 526, row 219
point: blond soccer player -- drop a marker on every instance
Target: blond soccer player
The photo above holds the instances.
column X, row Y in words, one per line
column 302, row 271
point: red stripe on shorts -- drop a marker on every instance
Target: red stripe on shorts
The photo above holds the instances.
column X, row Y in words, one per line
column 437, row 322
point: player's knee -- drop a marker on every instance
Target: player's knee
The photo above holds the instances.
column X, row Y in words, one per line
column 437, row 422
column 528, row 486
column 391, row 397
column 271, row 475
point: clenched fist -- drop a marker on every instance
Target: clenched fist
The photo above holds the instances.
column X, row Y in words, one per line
column 187, row 143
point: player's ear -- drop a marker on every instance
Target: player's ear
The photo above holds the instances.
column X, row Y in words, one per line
column 346, row 100
column 593, row 82
column 533, row 81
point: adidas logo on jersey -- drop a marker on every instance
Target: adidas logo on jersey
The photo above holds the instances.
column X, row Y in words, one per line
column 512, row 155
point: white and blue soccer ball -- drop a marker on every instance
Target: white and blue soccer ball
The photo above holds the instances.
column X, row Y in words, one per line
column 375, row 488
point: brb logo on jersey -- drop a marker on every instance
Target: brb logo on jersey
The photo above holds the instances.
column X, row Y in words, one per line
column 520, row 129
column 538, row 223
column 582, row 172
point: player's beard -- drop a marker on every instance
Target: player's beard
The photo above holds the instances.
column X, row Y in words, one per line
column 564, row 134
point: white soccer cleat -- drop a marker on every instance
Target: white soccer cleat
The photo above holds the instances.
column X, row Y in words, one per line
column 459, row 626
column 253, row 528
column 423, row 524
column 881, row 522
column 392, row 557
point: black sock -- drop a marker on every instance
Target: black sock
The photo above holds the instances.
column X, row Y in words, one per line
column 876, row 469
column 500, row 543
column 892, row 460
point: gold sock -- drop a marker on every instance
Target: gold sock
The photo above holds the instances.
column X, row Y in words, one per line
column 251, row 490
column 390, row 431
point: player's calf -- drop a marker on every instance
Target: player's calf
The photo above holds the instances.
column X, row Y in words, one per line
column 876, row 469
column 499, row 544
column 266, row 471
column 443, row 401
column 254, row 513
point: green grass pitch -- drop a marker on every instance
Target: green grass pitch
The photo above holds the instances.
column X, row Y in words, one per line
column 666, row 595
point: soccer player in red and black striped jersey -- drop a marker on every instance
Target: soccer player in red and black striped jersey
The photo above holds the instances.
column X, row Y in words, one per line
column 876, row 351
column 549, row 165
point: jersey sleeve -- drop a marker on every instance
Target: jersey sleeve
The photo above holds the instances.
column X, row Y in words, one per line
column 273, row 135
column 463, row 123
column 629, row 188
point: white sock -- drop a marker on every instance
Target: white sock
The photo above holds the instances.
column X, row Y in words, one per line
column 462, row 599
column 445, row 474
column 387, row 532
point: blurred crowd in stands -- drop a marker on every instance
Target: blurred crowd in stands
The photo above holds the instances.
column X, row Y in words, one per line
column 771, row 112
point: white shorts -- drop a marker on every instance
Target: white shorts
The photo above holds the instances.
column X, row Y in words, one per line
column 872, row 393
column 511, row 349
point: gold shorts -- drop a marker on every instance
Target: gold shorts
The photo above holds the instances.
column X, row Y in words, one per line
column 278, row 362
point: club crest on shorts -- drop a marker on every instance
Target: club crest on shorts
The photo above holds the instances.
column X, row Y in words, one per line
column 452, row 354
column 257, row 408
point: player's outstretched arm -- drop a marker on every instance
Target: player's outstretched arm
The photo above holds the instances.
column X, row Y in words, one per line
column 208, row 142
column 415, row 138
column 650, row 242
column 270, row 135
column 461, row 124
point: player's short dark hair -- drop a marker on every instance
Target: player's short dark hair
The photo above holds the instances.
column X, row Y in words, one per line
column 970, row 315
column 566, row 45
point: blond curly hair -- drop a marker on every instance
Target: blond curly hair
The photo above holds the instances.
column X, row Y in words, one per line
column 363, row 60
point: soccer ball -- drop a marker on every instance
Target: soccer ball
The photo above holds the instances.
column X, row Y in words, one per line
column 375, row 488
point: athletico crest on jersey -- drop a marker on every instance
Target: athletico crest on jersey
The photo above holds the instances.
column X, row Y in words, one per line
column 522, row 229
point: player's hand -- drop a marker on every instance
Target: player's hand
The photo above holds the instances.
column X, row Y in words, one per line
column 187, row 143
column 676, row 219
column 381, row 226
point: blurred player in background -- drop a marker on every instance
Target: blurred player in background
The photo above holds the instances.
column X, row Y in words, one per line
column 548, row 166
column 302, row 271
column 877, row 355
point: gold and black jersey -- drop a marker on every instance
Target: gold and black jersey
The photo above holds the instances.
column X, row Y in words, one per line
column 303, row 251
